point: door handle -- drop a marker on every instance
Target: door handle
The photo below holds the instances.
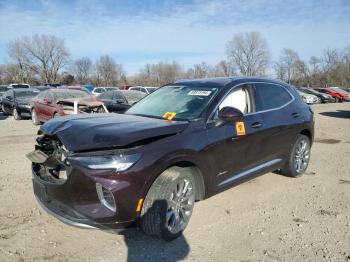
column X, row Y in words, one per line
column 256, row 125
column 295, row 115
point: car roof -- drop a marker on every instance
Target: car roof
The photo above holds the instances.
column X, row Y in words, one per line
column 223, row 81
column 60, row 90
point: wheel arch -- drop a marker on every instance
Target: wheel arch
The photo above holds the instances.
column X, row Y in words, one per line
column 198, row 177
column 307, row 132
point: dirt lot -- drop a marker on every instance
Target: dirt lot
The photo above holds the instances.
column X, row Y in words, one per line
column 271, row 218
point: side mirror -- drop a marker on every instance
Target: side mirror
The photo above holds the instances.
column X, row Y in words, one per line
column 230, row 114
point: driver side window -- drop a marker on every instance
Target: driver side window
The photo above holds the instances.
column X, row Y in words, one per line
column 240, row 98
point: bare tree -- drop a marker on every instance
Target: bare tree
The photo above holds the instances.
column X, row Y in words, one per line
column 159, row 74
column 44, row 55
column 82, row 69
column 108, row 71
column 224, row 68
column 249, row 52
column 288, row 61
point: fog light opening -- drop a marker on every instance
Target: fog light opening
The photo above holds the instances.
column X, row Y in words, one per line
column 106, row 197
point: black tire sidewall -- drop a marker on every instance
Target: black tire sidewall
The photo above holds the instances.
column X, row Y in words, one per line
column 156, row 207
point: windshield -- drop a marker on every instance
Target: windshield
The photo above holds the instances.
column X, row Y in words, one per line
column 3, row 88
column 23, row 94
column 70, row 94
column 20, row 86
column 337, row 89
column 181, row 102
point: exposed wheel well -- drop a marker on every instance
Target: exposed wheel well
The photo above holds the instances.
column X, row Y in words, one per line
column 307, row 133
column 198, row 177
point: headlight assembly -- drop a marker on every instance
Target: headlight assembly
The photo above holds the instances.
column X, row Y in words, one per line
column 116, row 162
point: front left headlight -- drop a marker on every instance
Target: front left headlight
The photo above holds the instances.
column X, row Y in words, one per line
column 116, row 162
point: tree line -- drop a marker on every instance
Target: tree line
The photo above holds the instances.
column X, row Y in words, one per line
column 43, row 59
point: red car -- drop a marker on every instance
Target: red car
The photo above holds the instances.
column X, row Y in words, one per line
column 339, row 97
column 59, row 102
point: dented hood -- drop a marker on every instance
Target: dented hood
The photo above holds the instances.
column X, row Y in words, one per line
column 90, row 101
column 87, row 132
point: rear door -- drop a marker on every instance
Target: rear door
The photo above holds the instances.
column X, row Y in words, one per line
column 275, row 105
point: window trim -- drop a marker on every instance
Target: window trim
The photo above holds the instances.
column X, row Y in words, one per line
column 256, row 112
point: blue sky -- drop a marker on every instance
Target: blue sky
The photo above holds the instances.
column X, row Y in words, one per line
column 138, row 32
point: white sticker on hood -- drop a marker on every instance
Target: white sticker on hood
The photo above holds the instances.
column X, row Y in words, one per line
column 199, row 93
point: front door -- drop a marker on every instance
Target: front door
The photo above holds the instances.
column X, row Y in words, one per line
column 233, row 152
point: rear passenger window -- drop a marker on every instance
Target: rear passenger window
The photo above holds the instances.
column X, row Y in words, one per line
column 271, row 96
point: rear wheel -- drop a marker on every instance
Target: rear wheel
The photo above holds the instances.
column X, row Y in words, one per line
column 169, row 204
column 16, row 114
column 299, row 157
column 35, row 119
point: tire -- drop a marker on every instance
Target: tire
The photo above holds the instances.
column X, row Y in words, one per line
column 299, row 157
column 3, row 110
column 35, row 119
column 16, row 115
column 167, row 209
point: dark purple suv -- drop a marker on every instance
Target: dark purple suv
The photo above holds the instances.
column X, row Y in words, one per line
column 183, row 143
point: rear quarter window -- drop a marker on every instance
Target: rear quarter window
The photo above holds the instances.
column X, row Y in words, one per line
column 271, row 96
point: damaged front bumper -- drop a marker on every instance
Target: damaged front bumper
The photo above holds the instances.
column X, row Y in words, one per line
column 81, row 196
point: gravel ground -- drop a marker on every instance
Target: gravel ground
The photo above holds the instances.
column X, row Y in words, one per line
column 270, row 218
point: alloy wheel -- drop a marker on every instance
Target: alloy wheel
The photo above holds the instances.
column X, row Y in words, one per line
column 34, row 117
column 302, row 156
column 180, row 207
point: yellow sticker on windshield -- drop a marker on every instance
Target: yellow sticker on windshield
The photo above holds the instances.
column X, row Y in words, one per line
column 169, row 115
column 240, row 128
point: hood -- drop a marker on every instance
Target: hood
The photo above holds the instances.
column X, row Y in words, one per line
column 88, row 132
column 24, row 100
column 90, row 101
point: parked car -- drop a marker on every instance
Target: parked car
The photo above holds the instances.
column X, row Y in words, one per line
column 54, row 103
column 3, row 89
column 99, row 90
column 133, row 96
column 145, row 89
column 345, row 94
column 78, row 87
column 324, row 98
column 308, row 98
column 115, row 101
column 16, row 102
column 336, row 95
column 183, row 143
column 19, row 86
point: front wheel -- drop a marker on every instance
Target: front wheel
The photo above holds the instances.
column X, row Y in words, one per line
column 16, row 114
column 169, row 204
column 299, row 157
column 35, row 119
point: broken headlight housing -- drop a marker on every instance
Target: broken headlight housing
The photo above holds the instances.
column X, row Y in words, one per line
column 118, row 163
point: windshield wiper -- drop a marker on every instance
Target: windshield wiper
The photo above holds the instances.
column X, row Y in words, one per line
column 159, row 117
